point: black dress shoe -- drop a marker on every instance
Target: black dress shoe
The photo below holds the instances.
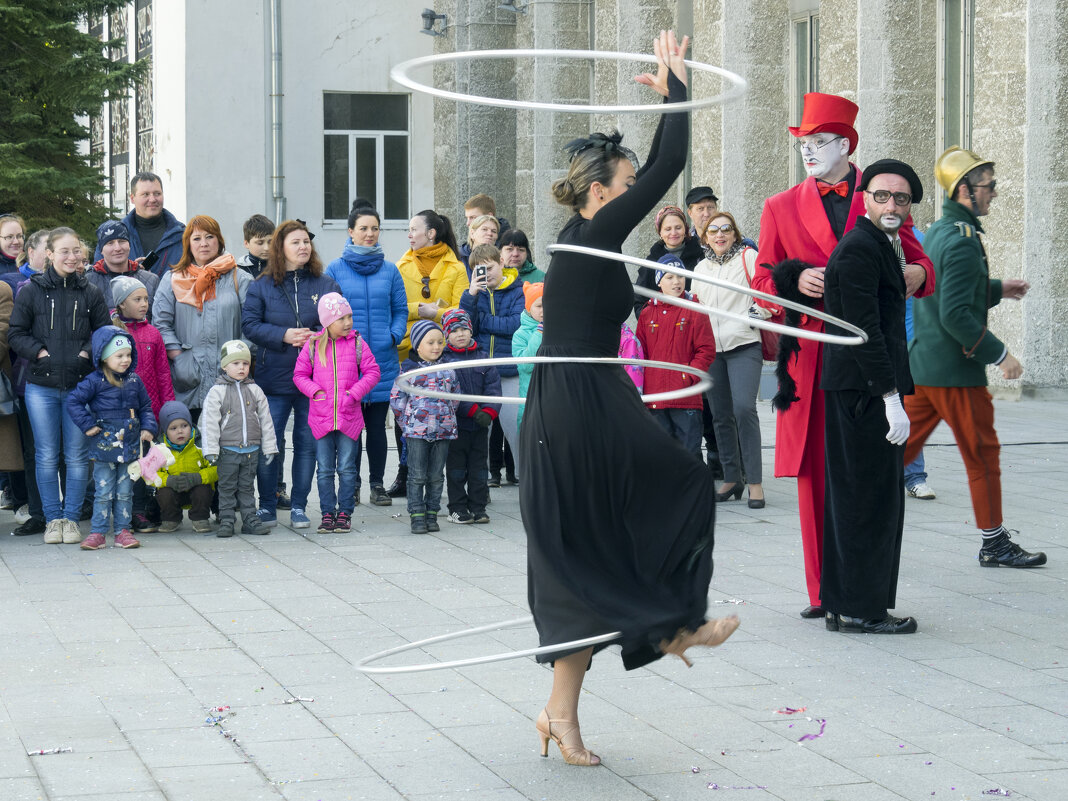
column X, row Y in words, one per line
column 736, row 491
column 1001, row 551
column 812, row 611
column 756, row 503
column 875, row 625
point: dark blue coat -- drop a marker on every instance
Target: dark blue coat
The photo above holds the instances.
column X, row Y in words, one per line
column 9, row 272
column 269, row 310
column 473, row 381
column 127, row 409
column 169, row 247
column 495, row 316
column 375, row 290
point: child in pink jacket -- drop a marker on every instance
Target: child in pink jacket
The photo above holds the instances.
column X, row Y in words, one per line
column 335, row 370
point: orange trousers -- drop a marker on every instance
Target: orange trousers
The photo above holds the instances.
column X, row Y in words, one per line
column 969, row 412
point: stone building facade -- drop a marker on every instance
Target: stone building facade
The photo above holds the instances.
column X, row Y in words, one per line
column 927, row 74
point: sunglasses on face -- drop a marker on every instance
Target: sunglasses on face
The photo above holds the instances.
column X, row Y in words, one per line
column 426, row 288
column 992, row 186
column 725, row 228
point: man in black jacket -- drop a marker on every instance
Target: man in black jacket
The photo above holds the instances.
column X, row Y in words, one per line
column 866, row 425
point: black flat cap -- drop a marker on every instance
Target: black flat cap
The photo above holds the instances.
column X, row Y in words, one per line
column 699, row 193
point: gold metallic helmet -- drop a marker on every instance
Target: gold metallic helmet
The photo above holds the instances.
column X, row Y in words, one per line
column 954, row 164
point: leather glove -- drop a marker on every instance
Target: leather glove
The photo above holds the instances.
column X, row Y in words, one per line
column 483, row 418
column 268, row 458
column 212, row 458
column 897, row 419
column 179, row 482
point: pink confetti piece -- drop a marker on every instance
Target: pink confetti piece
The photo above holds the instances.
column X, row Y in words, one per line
column 823, row 726
column 786, row 710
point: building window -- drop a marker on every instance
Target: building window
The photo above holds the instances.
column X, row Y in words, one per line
column 955, row 18
column 366, row 154
column 804, row 70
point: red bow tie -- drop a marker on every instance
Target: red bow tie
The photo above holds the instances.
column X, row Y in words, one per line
column 841, row 188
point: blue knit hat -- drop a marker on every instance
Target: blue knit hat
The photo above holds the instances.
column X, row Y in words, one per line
column 671, row 261
column 420, row 329
column 109, row 230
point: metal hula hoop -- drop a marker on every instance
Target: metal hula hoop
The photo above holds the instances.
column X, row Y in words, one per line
column 399, row 73
column 860, row 337
column 403, row 382
column 363, row 664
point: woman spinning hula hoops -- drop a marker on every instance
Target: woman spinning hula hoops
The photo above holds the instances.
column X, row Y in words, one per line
column 619, row 516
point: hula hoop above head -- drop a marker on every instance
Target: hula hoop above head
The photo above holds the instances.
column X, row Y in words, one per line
column 400, row 74
column 364, row 664
column 703, row 384
column 859, row 338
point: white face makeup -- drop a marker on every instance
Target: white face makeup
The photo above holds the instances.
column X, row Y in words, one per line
column 888, row 216
column 825, row 155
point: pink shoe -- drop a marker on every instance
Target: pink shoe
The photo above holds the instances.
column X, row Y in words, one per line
column 124, row 539
column 94, row 542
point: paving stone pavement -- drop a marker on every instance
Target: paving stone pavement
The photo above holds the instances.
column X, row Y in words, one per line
column 121, row 655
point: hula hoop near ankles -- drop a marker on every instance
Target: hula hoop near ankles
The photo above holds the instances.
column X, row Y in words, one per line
column 363, row 664
column 400, row 74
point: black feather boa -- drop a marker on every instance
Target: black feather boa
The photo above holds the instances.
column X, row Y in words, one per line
column 786, row 274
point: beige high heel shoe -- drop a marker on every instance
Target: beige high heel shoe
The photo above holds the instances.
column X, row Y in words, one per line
column 709, row 635
column 572, row 755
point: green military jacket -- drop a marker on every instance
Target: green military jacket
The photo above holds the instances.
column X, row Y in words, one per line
column 951, row 345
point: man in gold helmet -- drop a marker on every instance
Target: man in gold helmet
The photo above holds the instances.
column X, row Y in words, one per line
column 953, row 346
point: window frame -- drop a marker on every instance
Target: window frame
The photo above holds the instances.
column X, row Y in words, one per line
column 966, row 77
column 811, row 17
column 379, row 137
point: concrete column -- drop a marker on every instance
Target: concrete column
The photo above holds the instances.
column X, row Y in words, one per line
column 1001, row 131
column 541, row 135
column 474, row 144
column 756, row 144
column 838, row 48
column 706, row 127
column 897, row 90
column 1043, row 338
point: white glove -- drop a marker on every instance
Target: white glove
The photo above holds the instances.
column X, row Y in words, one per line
column 898, row 420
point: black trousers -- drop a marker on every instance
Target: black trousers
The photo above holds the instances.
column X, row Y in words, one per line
column 500, row 455
column 864, row 515
column 198, row 499
column 465, row 471
column 237, row 480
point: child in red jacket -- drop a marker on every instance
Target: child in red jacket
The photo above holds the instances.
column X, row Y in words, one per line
column 669, row 333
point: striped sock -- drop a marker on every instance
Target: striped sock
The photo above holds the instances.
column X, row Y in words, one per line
column 991, row 533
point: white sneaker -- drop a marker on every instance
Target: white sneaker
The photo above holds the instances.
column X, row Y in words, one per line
column 921, row 491
column 72, row 534
column 53, row 532
column 23, row 514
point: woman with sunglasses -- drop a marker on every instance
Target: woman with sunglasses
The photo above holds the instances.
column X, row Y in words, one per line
column 434, row 279
column 736, row 369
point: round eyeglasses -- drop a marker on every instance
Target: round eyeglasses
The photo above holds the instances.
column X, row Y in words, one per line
column 882, row 196
column 813, row 146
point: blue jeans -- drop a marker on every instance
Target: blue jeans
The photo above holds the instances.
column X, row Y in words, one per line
column 46, row 406
column 426, row 474
column 303, row 453
column 914, row 472
column 684, row 425
column 336, row 450
column 113, row 502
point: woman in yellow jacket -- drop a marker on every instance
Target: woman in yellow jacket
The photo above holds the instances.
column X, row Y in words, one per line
column 434, row 277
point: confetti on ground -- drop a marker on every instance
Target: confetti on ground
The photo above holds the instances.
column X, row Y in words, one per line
column 695, row 769
column 823, row 725
column 714, row 786
column 997, row 791
column 45, row 751
column 735, row 601
column 298, row 700
column 786, row 710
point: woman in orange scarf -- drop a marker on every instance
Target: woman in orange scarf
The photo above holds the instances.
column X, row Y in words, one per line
column 197, row 308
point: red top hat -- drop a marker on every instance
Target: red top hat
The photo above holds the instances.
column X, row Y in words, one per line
column 829, row 113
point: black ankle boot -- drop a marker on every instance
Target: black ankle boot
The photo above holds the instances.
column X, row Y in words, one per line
column 1001, row 551
column 399, row 488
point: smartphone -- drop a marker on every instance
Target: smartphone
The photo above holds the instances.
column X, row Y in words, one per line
column 149, row 261
column 479, row 273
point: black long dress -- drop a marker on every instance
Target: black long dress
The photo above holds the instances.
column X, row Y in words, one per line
column 619, row 516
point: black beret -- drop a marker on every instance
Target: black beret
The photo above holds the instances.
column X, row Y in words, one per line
column 895, row 167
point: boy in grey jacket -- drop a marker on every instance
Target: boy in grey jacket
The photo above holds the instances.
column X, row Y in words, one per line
column 234, row 425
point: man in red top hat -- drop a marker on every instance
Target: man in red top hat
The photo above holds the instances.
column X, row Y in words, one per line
column 805, row 223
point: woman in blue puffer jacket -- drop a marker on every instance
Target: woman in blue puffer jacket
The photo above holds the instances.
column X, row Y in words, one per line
column 280, row 314
column 375, row 290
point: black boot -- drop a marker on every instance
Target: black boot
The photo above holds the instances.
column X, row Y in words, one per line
column 1001, row 551
column 399, row 488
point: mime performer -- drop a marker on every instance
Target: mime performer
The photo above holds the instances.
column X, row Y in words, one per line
column 806, row 222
